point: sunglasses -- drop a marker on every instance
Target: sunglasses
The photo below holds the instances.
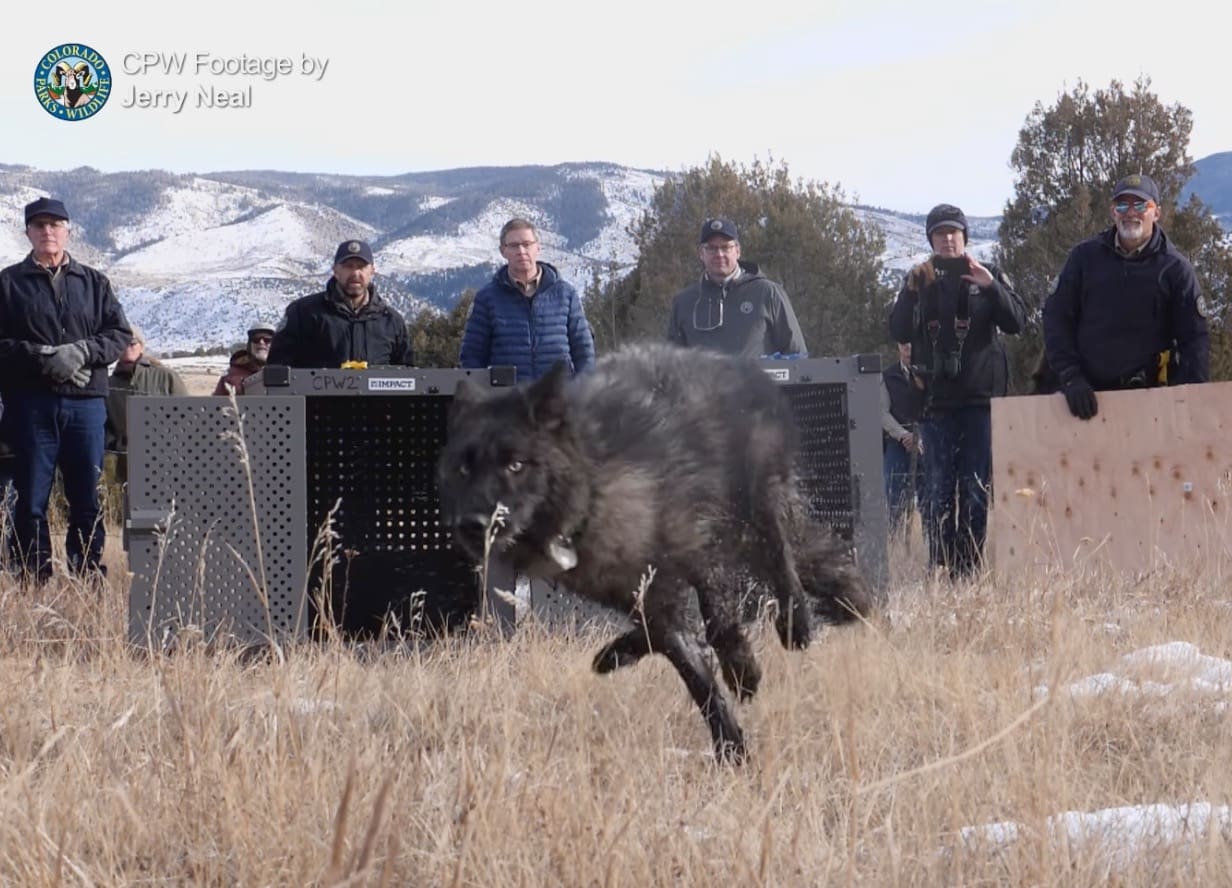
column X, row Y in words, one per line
column 1139, row 206
column 263, row 339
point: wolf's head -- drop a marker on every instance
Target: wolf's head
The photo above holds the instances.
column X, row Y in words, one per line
column 513, row 448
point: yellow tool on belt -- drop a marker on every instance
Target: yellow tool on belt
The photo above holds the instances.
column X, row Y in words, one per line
column 1161, row 372
column 354, row 365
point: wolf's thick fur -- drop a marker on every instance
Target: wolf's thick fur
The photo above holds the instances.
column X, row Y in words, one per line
column 665, row 457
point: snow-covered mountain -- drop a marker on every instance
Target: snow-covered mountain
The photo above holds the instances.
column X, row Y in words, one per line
column 197, row 259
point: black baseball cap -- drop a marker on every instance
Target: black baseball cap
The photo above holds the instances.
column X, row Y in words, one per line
column 724, row 227
column 46, row 206
column 1139, row 186
column 353, row 249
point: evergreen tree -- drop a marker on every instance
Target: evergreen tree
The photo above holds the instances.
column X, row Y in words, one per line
column 1067, row 160
column 436, row 336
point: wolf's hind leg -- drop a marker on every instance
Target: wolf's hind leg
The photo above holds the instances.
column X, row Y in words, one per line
column 719, row 603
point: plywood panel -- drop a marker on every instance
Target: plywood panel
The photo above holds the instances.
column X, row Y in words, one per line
column 1146, row 483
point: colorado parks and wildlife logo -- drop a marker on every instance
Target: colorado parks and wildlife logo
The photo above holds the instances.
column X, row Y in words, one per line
column 72, row 81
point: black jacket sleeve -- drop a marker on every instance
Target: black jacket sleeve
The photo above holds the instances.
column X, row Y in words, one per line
column 1009, row 310
column 1061, row 321
column 1189, row 326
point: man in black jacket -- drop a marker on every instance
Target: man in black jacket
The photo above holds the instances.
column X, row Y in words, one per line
column 950, row 309
column 60, row 326
column 1126, row 311
column 348, row 321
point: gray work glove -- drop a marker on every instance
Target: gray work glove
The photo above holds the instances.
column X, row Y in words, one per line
column 81, row 377
column 60, row 362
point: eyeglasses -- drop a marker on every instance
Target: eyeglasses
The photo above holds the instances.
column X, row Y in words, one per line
column 1139, row 206
column 715, row 249
column 520, row 245
column 47, row 223
column 262, row 340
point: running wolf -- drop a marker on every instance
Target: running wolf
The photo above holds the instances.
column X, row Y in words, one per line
column 676, row 459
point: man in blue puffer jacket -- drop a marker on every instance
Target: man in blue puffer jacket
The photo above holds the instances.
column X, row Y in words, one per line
column 527, row 316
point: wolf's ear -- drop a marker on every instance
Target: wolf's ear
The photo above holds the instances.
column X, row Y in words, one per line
column 546, row 396
column 465, row 395
column 464, row 392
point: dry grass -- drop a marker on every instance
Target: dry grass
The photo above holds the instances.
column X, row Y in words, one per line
column 488, row 762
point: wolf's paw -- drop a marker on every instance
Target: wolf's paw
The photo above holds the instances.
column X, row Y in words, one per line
column 731, row 750
column 793, row 628
column 743, row 678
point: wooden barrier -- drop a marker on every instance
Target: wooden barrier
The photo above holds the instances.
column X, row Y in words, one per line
column 1145, row 484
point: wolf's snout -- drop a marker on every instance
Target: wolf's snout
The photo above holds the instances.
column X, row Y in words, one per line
column 469, row 531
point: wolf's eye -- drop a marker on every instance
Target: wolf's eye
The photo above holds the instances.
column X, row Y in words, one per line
column 515, row 466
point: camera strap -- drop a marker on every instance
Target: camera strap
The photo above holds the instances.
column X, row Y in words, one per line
column 930, row 314
column 962, row 316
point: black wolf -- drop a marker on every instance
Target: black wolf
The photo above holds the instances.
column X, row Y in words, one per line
column 676, row 459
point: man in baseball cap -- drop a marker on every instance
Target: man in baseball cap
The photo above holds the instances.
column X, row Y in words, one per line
column 1127, row 311
column 347, row 322
column 733, row 307
column 64, row 325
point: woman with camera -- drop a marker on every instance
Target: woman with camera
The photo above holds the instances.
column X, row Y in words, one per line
column 953, row 309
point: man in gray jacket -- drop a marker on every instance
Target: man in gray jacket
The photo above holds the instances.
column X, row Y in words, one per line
column 733, row 308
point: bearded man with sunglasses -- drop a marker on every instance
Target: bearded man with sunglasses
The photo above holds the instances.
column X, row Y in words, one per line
column 1127, row 311
column 733, row 307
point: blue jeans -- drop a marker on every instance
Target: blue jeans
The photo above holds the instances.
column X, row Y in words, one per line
column 46, row 430
column 957, row 465
column 904, row 482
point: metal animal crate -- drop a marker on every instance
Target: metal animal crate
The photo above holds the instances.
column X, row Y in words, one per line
column 232, row 540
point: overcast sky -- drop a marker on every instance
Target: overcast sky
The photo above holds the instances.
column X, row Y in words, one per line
column 903, row 104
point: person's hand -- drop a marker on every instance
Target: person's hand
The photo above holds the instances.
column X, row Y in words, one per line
column 1080, row 397
column 978, row 274
column 60, row 362
column 908, row 441
column 81, row 377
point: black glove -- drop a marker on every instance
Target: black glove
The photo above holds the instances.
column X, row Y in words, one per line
column 60, row 362
column 1080, row 397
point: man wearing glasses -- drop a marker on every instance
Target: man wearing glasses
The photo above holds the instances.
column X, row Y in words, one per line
column 1126, row 311
column 246, row 361
column 60, row 326
column 527, row 316
column 733, row 307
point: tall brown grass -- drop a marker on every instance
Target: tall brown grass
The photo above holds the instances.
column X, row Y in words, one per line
column 490, row 761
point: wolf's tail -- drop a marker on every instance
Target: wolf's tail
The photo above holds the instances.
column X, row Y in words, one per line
column 836, row 590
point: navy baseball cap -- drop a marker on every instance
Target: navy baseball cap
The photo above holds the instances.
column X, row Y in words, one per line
column 353, row 249
column 724, row 227
column 46, row 206
column 1137, row 185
